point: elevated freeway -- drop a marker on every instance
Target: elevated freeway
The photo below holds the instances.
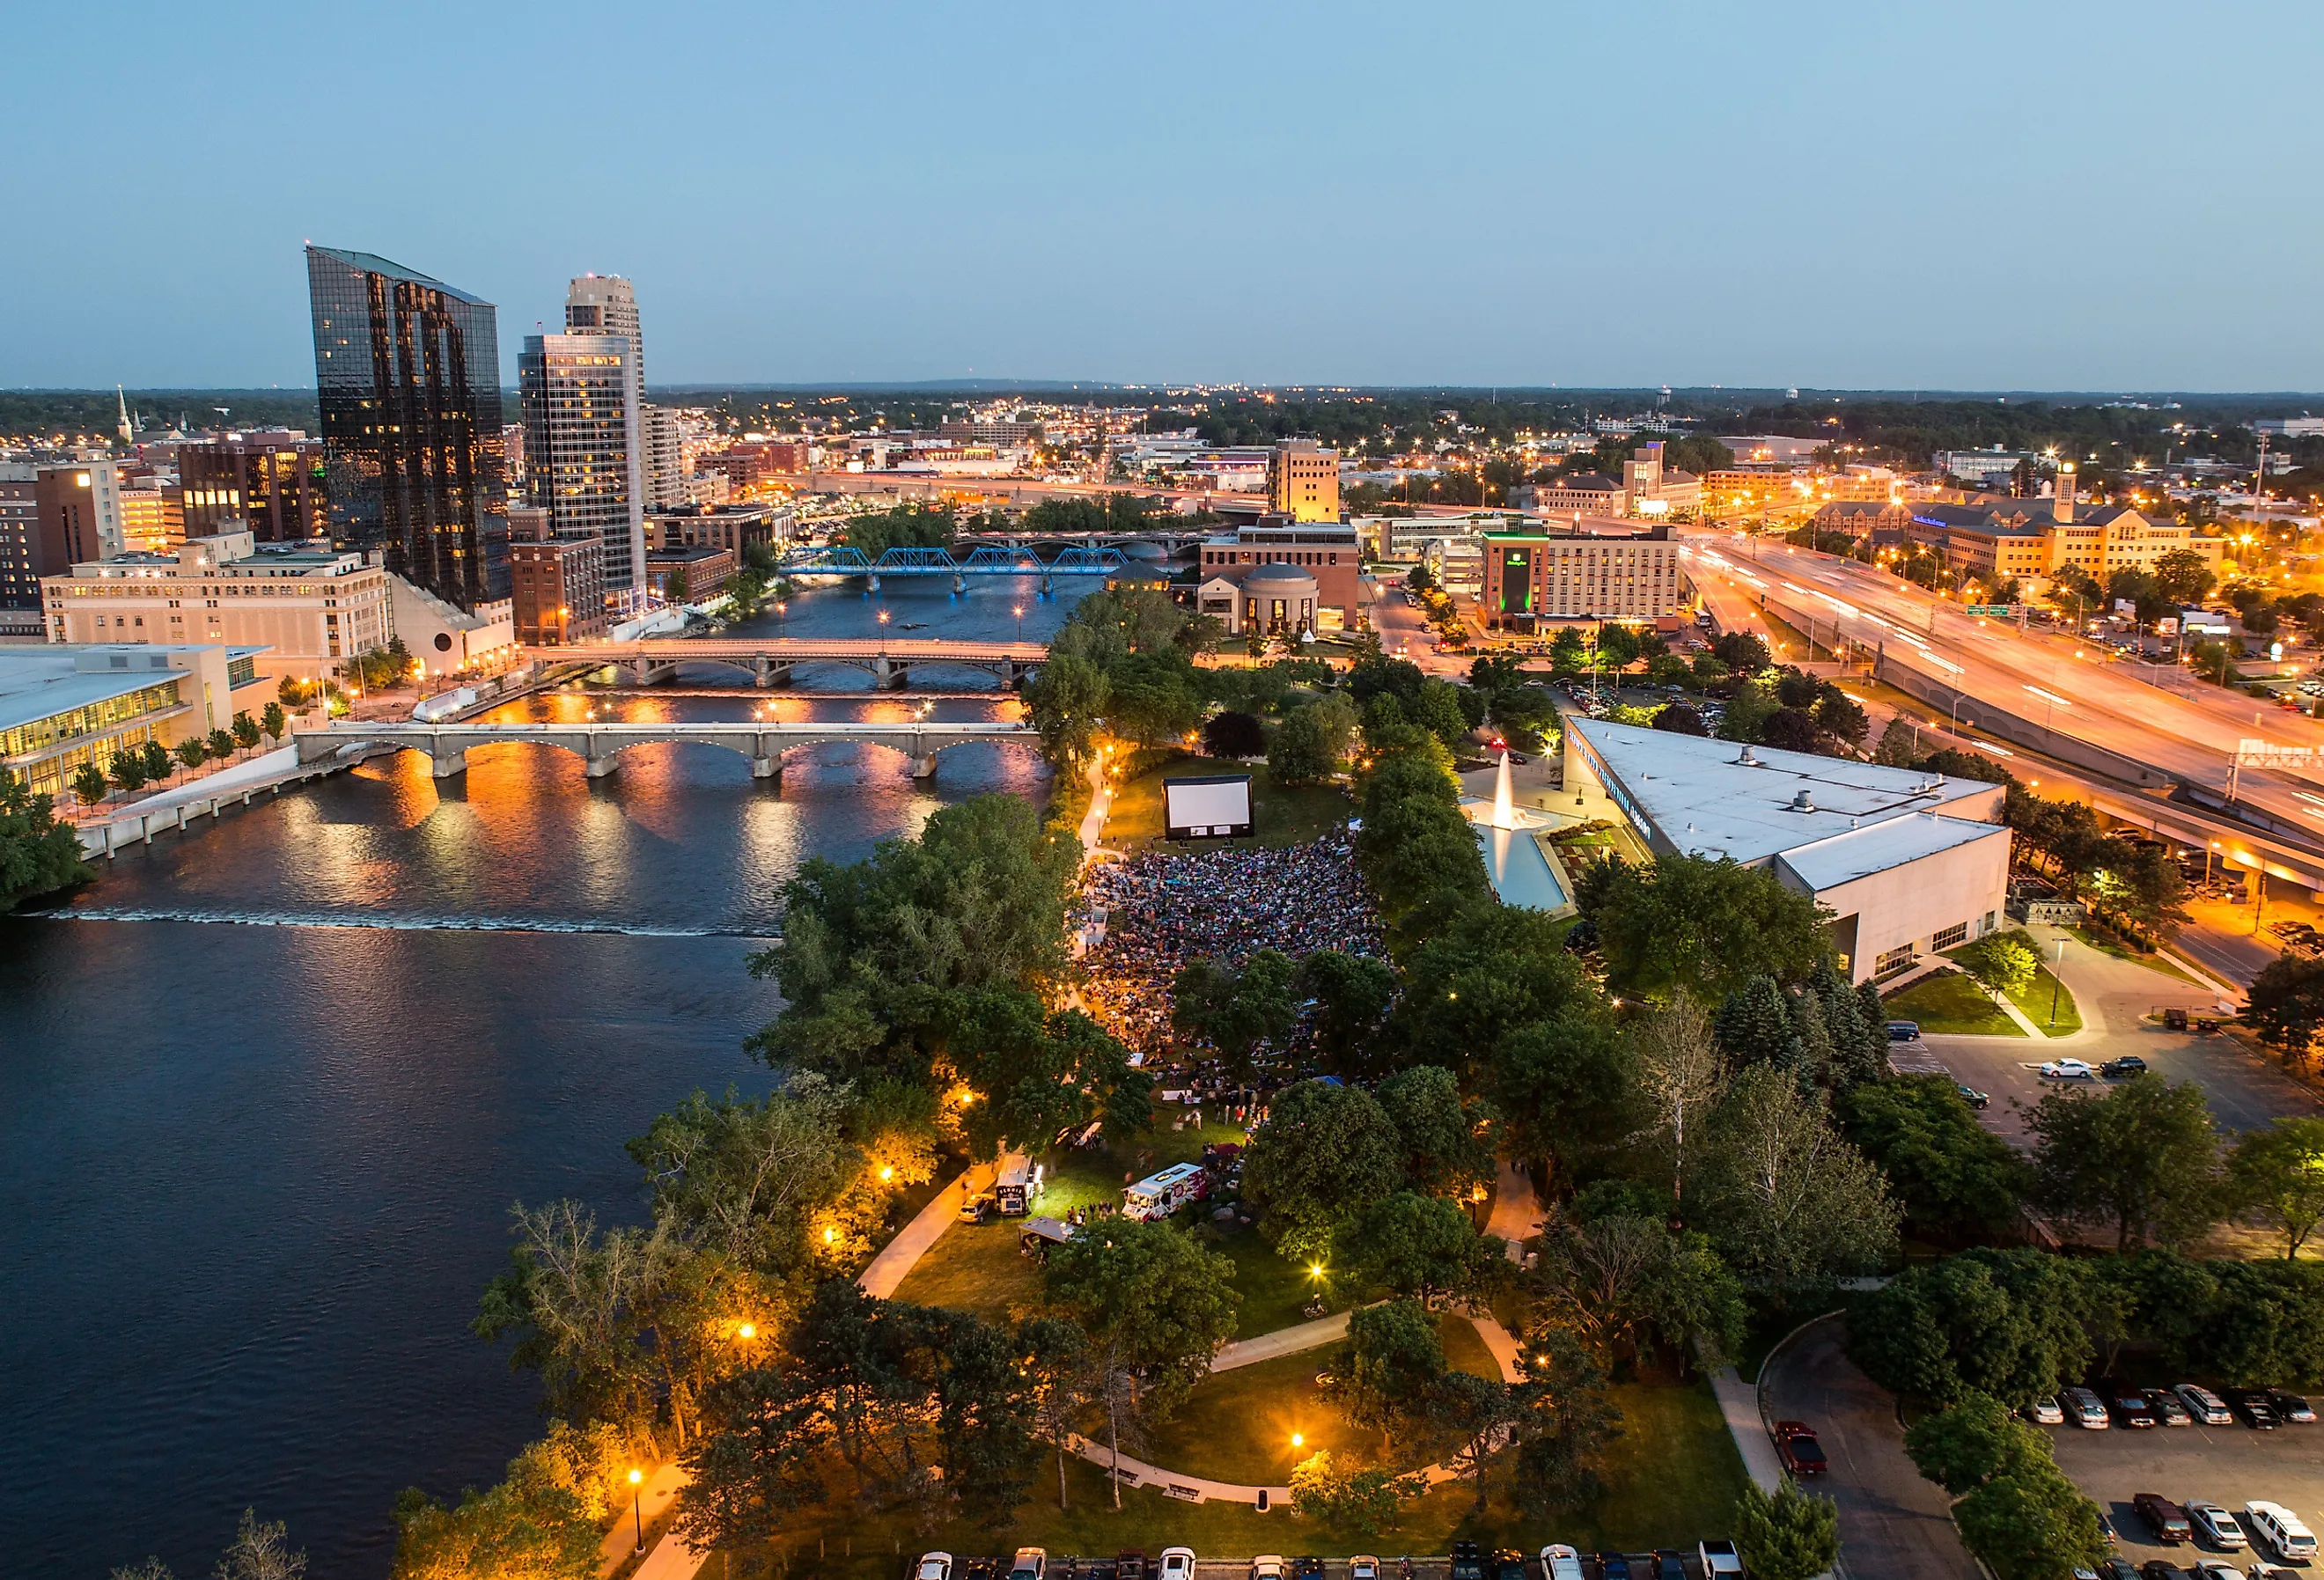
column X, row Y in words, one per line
column 600, row 745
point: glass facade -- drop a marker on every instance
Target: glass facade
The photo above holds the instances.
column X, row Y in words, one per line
column 407, row 372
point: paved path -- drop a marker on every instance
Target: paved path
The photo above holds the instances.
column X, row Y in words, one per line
column 623, row 1539
column 1516, row 1212
column 912, row 1242
column 1283, row 1341
column 1892, row 1524
column 1739, row 1401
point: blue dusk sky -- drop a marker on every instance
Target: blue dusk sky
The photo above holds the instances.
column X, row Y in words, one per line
column 2117, row 196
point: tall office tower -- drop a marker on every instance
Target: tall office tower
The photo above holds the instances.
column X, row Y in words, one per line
column 665, row 459
column 1303, row 481
column 408, row 373
column 606, row 304
column 583, row 449
column 19, row 537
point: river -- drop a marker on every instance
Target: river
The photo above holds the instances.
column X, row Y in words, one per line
column 268, row 1091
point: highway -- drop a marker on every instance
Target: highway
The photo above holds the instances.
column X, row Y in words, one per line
column 2079, row 689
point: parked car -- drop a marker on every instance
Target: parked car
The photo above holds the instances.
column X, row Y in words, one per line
column 2086, row 1409
column 2168, row 1408
column 2067, row 1069
column 2292, row 1407
column 1613, row 1566
column 1509, row 1564
column 2280, row 1530
column 2128, row 1064
column 2216, row 1569
column 1796, row 1446
column 2164, row 1518
column 2270, row 1571
column 934, row 1566
column 2131, row 1409
column 975, row 1209
column 1468, row 1562
column 1129, row 1565
column 2215, row 1525
column 2161, row 1569
column 1972, row 1096
column 2046, row 1411
column 1176, row 1564
column 2251, row 1403
column 1719, row 1560
column 2204, row 1405
column 1364, row 1566
column 2118, row 1569
column 1560, row 1562
column 1029, row 1564
column 1307, row 1569
column 1903, row 1030
column 1267, row 1566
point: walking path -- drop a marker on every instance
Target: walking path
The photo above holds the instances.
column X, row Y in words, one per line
column 1283, row 1341
column 1739, row 1401
column 912, row 1242
column 1517, row 1211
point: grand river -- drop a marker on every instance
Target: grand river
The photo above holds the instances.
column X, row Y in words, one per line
column 268, row 1091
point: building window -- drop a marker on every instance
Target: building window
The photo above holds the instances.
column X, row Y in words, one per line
column 1893, row 960
column 1956, row 934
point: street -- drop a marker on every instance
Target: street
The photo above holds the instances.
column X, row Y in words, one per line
column 1892, row 1524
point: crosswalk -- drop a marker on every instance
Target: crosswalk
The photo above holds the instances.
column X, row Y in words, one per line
column 1915, row 1058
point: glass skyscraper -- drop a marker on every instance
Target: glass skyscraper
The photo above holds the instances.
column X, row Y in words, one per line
column 408, row 373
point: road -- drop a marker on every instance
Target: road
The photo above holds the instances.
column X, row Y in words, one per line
column 2051, row 678
column 1892, row 1524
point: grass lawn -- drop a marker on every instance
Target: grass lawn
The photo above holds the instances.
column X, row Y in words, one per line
column 2034, row 1003
column 2106, row 945
column 1672, row 1478
column 1949, row 1001
column 1279, row 815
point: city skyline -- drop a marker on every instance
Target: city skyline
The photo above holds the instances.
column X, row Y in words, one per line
column 1498, row 198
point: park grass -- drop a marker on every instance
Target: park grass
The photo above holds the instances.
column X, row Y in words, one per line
column 1671, row 1479
column 2034, row 1004
column 1950, row 1004
column 2106, row 944
column 1280, row 814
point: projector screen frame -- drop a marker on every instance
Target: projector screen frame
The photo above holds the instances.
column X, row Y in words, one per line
column 1190, row 829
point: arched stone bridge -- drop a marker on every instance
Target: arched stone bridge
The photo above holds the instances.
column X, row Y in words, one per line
column 770, row 660
column 601, row 744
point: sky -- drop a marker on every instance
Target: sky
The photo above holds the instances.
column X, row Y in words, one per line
column 2115, row 196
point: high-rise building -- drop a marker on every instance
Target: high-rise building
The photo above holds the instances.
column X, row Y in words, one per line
column 608, row 304
column 1303, row 481
column 583, row 453
column 407, row 370
column 19, row 537
column 268, row 482
column 79, row 510
column 665, row 458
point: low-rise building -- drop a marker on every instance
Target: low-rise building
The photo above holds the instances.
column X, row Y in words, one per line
column 269, row 484
column 63, row 707
column 730, row 527
column 1556, row 573
column 689, row 574
column 557, row 586
column 1882, row 521
column 1995, row 538
column 1326, row 551
column 1648, row 488
column 308, row 605
column 1908, row 863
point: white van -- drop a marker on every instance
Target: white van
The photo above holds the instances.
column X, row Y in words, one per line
column 1019, row 1186
column 1157, row 1196
column 2281, row 1528
column 2204, row 1405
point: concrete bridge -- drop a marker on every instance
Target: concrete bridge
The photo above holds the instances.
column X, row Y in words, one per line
column 770, row 660
column 600, row 745
column 1010, row 558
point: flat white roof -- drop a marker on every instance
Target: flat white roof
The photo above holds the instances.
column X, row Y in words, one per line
column 1705, row 799
column 1878, row 846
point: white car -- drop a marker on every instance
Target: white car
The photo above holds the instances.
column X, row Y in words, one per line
column 934, row 1566
column 2217, row 1526
column 2068, row 1069
column 2281, row 1529
column 2204, row 1405
column 1177, row 1564
column 2046, row 1411
column 2087, row 1408
column 1560, row 1562
column 1267, row 1566
column 1363, row 1566
column 1720, row 1561
column 2213, row 1569
column 1029, row 1564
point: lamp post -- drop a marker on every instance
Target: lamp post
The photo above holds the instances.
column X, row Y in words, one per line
column 1019, row 610
column 2058, row 960
column 637, row 1504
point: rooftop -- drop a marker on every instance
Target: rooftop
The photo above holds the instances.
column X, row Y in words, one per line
column 372, row 263
column 1704, row 799
column 40, row 682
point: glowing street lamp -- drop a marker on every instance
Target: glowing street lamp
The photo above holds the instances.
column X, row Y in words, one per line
column 637, row 1504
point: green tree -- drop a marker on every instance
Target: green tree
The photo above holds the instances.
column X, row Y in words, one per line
column 1234, row 734
column 192, row 752
column 1950, row 1172
column 1748, row 712
column 908, row 525
column 1351, row 995
column 1566, row 1421
column 127, row 772
column 2183, row 575
column 1325, row 1154
column 1627, row 1284
column 1312, row 742
column 157, row 763
column 1152, row 697
column 2275, row 1176
column 1365, row 1502
column 38, row 855
column 220, row 745
column 2286, row 1004
column 90, row 784
column 1438, row 711
column 2013, row 1324
column 1383, row 1375
column 1963, row 1447
column 1566, row 1087
column 526, row 1525
column 1237, row 1012
column 1067, row 701
column 2142, row 1157
column 1480, row 1416
column 1842, row 717
column 1788, row 1534
column 1786, row 1199
column 757, row 1459
column 274, row 722
column 1487, row 972
column 1417, row 1246
column 2017, row 1511
column 1706, row 925
column 1447, row 1140
column 1753, row 1026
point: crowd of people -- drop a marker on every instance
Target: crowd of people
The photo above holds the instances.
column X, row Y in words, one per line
column 1166, row 909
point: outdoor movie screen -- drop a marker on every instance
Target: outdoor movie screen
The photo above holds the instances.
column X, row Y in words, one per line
column 1215, row 806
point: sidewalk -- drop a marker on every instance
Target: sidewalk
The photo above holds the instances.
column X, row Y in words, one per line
column 1283, row 1341
column 1739, row 1401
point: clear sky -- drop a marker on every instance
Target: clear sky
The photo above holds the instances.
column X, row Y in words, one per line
column 2054, row 195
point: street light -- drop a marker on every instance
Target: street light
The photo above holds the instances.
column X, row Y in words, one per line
column 637, row 1504
column 1019, row 610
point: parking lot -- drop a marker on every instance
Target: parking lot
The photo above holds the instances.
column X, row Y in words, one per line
column 2226, row 1466
column 2244, row 1091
